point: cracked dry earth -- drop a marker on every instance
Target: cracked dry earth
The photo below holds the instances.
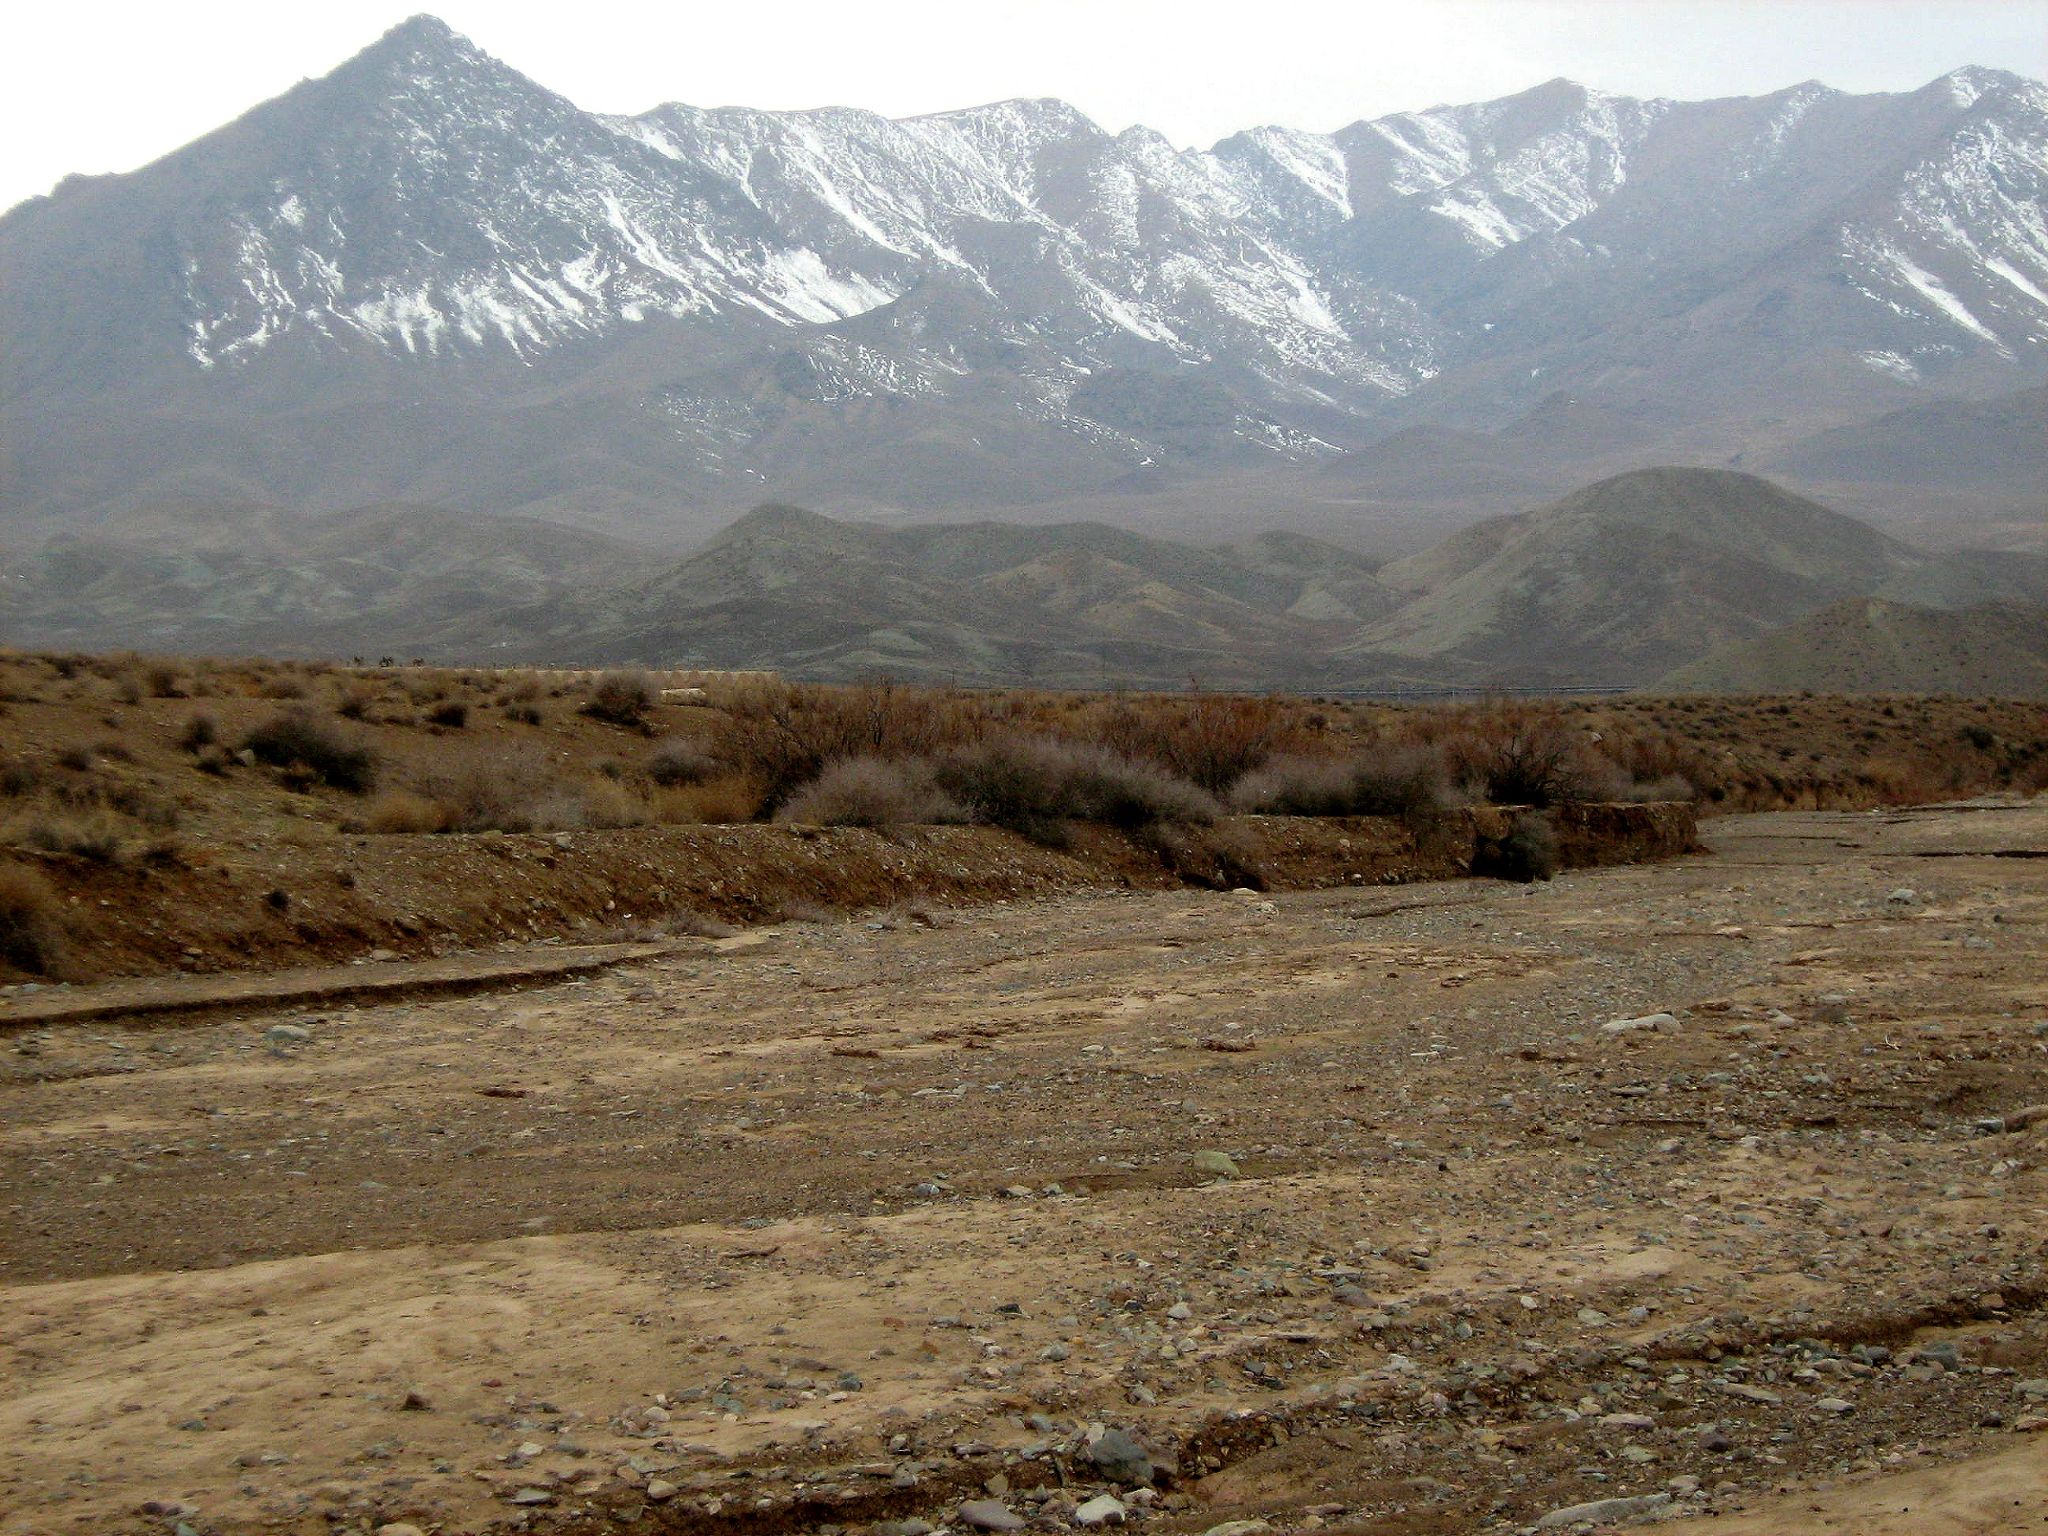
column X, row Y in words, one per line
column 866, row 1221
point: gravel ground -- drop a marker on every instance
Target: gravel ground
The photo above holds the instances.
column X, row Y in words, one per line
column 1454, row 1207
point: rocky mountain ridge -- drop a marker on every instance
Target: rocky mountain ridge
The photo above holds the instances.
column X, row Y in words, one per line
column 427, row 278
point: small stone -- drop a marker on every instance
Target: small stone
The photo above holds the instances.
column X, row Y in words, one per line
column 1648, row 1021
column 1834, row 1405
column 1217, row 1165
column 1714, row 1440
column 1104, row 1509
column 287, row 1034
column 1904, row 896
column 660, row 1490
column 400, row 1528
column 1239, row 1528
column 1180, row 1311
column 532, row 1496
column 990, row 1515
column 1119, row 1458
column 1750, row 1394
column 1603, row 1511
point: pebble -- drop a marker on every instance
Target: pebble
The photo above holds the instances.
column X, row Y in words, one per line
column 1216, row 1164
column 1835, row 1405
column 287, row 1034
column 990, row 1515
column 1104, row 1509
column 659, row 1490
column 1750, row 1394
column 1601, row 1511
column 1239, row 1528
column 1650, row 1021
column 533, row 1496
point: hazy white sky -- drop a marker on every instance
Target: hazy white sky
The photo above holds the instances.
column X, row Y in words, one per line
column 103, row 87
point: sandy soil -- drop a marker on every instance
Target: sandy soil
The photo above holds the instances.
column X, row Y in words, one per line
column 871, row 1218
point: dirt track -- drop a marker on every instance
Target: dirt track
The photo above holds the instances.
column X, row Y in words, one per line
column 884, row 1212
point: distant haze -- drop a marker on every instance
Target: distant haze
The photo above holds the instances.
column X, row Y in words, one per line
column 109, row 87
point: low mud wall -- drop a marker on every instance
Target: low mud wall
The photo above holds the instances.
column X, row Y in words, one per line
column 421, row 895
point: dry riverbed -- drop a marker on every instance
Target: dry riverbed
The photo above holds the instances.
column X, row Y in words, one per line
column 1707, row 1187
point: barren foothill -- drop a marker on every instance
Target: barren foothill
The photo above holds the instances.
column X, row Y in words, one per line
column 863, row 1219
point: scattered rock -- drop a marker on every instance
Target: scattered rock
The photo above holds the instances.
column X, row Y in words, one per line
column 1604, row 1511
column 660, row 1490
column 532, row 1496
column 1104, row 1509
column 1119, row 1458
column 287, row 1034
column 1750, row 1394
column 990, row 1515
column 1649, row 1021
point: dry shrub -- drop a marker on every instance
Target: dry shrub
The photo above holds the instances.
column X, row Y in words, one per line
column 1389, row 779
column 96, row 835
column 621, row 699
column 782, row 735
column 402, row 811
column 722, row 801
column 452, row 713
column 608, row 805
column 676, row 760
column 355, row 702
column 1520, row 756
column 1212, row 741
column 32, row 936
column 298, row 739
column 1031, row 785
column 871, row 792
column 19, row 778
column 199, row 730
column 499, row 791
column 162, row 681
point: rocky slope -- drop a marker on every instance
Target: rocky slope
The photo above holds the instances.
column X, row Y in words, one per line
column 1868, row 645
column 1613, row 585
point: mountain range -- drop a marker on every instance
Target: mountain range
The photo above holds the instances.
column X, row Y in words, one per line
column 425, row 280
column 1617, row 585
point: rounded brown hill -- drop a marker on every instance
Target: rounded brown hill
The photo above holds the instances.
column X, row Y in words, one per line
column 1625, row 579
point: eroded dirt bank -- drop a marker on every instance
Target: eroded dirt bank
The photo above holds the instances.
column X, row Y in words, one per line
column 1361, row 1209
column 280, row 904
